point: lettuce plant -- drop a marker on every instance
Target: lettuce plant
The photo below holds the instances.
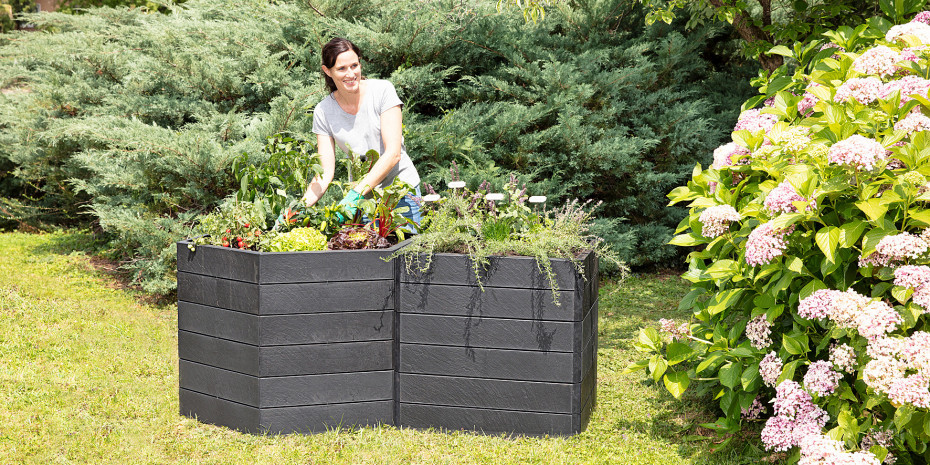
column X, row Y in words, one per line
column 810, row 277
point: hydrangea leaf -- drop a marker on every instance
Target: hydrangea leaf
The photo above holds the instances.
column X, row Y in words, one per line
column 750, row 379
column 872, row 208
column 850, row 232
column 677, row 383
column 678, row 352
column 657, row 365
column 827, row 239
column 730, row 374
column 922, row 217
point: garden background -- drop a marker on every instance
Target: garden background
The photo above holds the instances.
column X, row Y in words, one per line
column 126, row 123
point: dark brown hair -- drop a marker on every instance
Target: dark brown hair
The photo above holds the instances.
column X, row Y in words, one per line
column 333, row 49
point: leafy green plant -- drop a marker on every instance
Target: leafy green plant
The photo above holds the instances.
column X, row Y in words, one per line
column 295, row 240
column 810, row 281
column 276, row 184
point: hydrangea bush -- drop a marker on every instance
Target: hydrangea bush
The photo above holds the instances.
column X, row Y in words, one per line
column 810, row 277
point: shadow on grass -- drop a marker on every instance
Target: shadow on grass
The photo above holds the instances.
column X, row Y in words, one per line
column 98, row 259
column 640, row 302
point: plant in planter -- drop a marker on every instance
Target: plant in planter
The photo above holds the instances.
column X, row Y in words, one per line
column 498, row 317
column 810, row 279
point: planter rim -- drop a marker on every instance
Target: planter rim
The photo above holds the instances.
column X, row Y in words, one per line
column 392, row 248
column 515, row 257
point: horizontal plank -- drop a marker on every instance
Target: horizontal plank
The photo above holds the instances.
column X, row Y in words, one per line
column 488, row 363
column 287, row 267
column 282, row 299
column 308, row 359
column 485, row 420
column 492, row 333
column 518, row 272
column 267, row 330
column 284, row 420
column 457, row 391
column 286, row 391
column 457, row 300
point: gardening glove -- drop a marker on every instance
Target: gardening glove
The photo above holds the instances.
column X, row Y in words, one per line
column 350, row 202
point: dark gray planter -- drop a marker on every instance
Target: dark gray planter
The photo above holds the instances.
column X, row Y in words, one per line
column 505, row 359
column 286, row 342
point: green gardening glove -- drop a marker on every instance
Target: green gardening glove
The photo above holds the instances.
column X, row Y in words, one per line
column 350, row 202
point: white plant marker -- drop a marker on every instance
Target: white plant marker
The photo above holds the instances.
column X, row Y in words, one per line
column 431, row 197
column 538, row 199
column 494, row 197
column 456, row 184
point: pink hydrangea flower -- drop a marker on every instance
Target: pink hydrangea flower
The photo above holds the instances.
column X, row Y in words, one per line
column 846, row 308
column 857, row 151
column 915, row 121
column 884, row 347
column 765, row 243
column 914, row 28
column 922, row 17
column 821, row 379
column 817, row 305
column 863, row 90
column 758, row 331
column 781, row 198
column 922, row 298
column 900, row 247
column 770, row 368
column 877, row 319
column 912, row 390
column 724, row 155
column 843, row 358
column 915, row 352
column 754, row 412
column 908, row 85
column 878, row 60
column 796, row 417
column 912, row 276
column 677, row 331
column 716, row 220
column 806, row 105
column 754, row 120
column 881, row 372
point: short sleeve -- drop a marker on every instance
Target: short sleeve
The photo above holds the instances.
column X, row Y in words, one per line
column 320, row 126
column 389, row 98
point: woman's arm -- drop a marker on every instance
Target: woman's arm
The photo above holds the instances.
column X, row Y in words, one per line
column 391, row 127
column 326, row 147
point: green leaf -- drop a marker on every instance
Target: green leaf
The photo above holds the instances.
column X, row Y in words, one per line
column 781, row 50
column 750, row 379
column 851, row 232
column 827, row 239
column 902, row 416
column 688, row 240
column 657, row 366
column 872, row 208
column 723, row 269
column 730, row 374
column 678, row 352
column 795, row 344
column 787, row 371
column 677, row 383
column 721, row 301
column 649, row 337
column 636, row 366
column 922, row 217
column 709, row 362
column 795, row 264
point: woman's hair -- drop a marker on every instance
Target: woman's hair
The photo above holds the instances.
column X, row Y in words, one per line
column 333, row 49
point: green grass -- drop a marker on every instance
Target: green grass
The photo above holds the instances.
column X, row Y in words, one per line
column 89, row 374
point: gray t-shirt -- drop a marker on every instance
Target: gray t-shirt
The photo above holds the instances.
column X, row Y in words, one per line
column 361, row 132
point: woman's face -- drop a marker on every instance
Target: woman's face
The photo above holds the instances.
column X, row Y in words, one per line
column 346, row 72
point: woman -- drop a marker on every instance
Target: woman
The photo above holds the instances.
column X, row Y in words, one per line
column 361, row 115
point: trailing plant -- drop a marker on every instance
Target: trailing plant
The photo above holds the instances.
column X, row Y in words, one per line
column 235, row 224
column 481, row 224
column 810, row 281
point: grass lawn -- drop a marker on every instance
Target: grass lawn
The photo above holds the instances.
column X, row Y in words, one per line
column 89, row 374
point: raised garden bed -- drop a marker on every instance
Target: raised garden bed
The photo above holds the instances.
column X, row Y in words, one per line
column 286, row 342
column 307, row 341
column 501, row 359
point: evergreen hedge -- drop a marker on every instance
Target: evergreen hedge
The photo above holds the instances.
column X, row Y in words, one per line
column 131, row 120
